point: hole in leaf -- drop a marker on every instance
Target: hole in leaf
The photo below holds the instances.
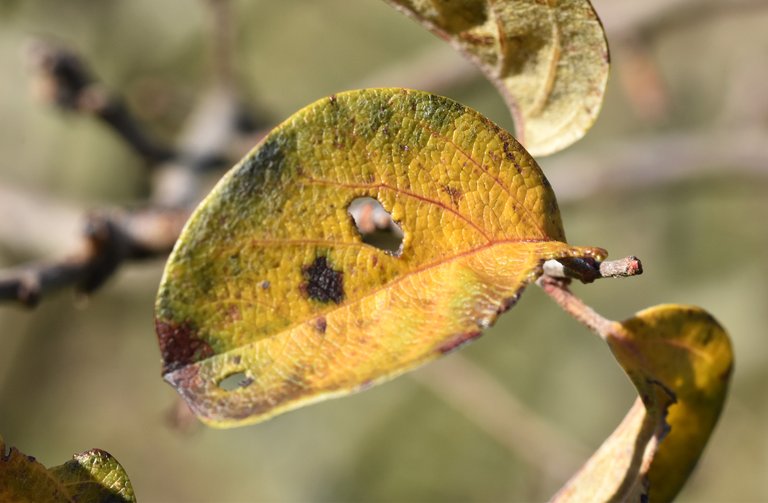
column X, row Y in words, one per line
column 235, row 381
column 376, row 226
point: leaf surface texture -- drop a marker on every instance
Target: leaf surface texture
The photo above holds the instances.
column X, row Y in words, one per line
column 548, row 58
column 271, row 281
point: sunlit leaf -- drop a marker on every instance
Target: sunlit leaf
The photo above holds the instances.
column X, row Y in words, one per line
column 89, row 477
column 680, row 360
column 549, row 59
column 272, row 300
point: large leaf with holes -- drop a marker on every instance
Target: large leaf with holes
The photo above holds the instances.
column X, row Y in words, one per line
column 680, row 360
column 89, row 477
column 549, row 59
column 272, row 282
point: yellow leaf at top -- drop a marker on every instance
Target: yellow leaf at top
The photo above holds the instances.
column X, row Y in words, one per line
column 680, row 360
column 271, row 281
column 549, row 59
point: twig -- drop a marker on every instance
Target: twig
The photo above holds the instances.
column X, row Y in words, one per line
column 65, row 80
column 35, row 225
column 108, row 241
column 697, row 12
column 222, row 40
column 558, row 290
column 653, row 161
column 588, row 270
column 477, row 395
column 650, row 18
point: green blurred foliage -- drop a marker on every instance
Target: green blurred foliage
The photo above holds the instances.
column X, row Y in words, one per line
column 76, row 374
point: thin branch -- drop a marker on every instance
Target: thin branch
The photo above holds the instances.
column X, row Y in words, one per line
column 697, row 12
column 222, row 40
column 558, row 290
column 35, row 225
column 588, row 270
column 65, row 80
column 108, row 241
column 625, row 20
column 650, row 162
column 476, row 394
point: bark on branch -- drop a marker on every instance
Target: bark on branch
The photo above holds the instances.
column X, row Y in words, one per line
column 65, row 80
column 588, row 270
column 108, row 241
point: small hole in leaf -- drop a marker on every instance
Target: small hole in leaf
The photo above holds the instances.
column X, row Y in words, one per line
column 376, row 226
column 235, row 381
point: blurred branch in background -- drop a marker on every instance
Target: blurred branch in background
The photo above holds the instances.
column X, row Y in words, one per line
column 64, row 79
column 114, row 237
column 109, row 240
column 478, row 395
column 647, row 163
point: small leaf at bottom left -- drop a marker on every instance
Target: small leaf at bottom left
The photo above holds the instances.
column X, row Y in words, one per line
column 91, row 476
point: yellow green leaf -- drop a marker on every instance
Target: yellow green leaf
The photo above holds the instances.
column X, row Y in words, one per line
column 89, row 477
column 270, row 281
column 549, row 59
column 680, row 360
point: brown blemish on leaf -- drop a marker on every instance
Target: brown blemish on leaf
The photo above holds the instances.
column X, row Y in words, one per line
column 324, row 284
column 458, row 341
column 321, row 324
column 454, row 193
column 511, row 156
column 233, row 313
column 509, row 303
column 471, row 38
column 180, row 346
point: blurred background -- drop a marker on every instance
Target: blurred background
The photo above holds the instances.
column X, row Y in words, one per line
column 675, row 171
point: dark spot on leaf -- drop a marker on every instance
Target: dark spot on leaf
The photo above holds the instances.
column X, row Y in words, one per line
column 265, row 285
column 324, row 284
column 454, row 193
column 321, row 324
column 179, row 345
column 332, row 99
column 473, row 39
column 511, row 156
column 233, row 313
column 236, row 359
column 509, row 302
column 458, row 341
